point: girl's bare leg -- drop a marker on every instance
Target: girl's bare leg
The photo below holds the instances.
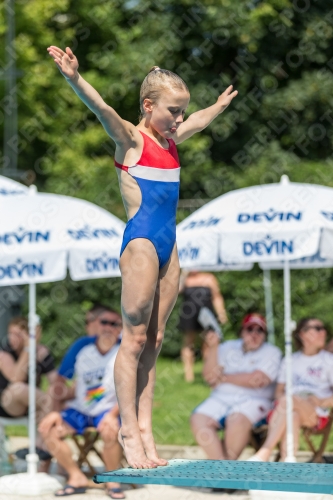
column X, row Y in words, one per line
column 296, row 427
column 277, row 426
column 140, row 273
column 165, row 298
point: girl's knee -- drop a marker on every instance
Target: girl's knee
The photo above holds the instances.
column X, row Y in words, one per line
column 133, row 343
column 137, row 312
column 159, row 338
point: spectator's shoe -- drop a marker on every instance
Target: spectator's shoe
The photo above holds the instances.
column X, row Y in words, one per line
column 69, row 490
column 42, row 454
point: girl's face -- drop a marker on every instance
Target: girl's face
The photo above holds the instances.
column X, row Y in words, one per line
column 168, row 112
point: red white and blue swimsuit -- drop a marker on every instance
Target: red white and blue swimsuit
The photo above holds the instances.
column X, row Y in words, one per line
column 157, row 174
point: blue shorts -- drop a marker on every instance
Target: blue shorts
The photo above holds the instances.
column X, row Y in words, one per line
column 79, row 421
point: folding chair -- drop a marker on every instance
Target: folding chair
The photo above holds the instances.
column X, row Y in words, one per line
column 258, row 434
column 86, row 443
column 317, row 456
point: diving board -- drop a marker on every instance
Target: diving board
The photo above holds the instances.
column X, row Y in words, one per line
column 293, row 477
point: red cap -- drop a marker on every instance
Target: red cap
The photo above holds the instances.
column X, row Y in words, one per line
column 254, row 319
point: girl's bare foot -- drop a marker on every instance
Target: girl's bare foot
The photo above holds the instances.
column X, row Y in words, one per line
column 150, row 448
column 134, row 451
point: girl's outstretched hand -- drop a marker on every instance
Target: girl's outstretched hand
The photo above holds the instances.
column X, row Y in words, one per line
column 66, row 61
column 227, row 96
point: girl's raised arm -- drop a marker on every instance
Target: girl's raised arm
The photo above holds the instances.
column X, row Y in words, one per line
column 201, row 119
column 121, row 131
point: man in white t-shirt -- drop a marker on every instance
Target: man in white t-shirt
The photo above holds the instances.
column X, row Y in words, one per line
column 90, row 360
column 242, row 374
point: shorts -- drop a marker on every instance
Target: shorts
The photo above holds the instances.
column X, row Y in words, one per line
column 322, row 419
column 194, row 298
column 321, row 423
column 79, row 421
column 219, row 409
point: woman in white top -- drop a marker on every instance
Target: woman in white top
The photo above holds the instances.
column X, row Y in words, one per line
column 312, row 379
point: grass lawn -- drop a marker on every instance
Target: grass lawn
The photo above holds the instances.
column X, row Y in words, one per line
column 174, row 401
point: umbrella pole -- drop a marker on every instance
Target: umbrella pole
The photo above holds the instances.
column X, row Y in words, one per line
column 32, row 457
column 269, row 305
column 288, row 352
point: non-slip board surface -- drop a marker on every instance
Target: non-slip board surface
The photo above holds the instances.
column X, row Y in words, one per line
column 305, row 478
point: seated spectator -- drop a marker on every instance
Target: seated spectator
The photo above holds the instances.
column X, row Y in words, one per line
column 91, row 361
column 312, row 380
column 242, row 374
column 14, row 368
column 98, row 319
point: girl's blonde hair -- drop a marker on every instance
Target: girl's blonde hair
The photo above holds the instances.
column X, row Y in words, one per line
column 156, row 81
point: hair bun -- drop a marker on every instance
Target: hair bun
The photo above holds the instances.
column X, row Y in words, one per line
column 154, row 68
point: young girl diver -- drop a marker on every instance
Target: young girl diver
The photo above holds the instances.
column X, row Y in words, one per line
column 148, row 170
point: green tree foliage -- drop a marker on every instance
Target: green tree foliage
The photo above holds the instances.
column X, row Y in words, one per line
column 277, row 53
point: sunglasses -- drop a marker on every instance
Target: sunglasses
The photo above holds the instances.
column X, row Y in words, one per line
column 256, row 329
column 109, row 323
column 318, row 328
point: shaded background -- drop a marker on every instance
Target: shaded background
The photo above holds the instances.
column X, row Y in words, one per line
column 278, row 54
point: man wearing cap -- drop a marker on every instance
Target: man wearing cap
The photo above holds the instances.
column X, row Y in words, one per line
column 242, row 374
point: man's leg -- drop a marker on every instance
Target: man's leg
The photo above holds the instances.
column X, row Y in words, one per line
column 54, row 440
column 205, row 431
column 164, row 301
column 237, row 434
column 112, row 453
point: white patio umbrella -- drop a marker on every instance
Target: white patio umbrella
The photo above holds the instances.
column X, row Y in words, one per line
column 285, row 221
column 9, row 187
column 41, row 236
